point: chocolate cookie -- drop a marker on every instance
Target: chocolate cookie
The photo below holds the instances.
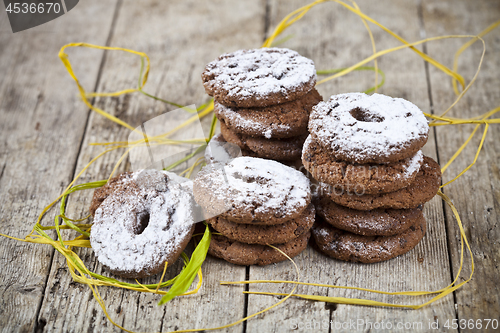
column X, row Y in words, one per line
column 259, row 77
column 344, row 245
column 138, row 229
column 252, row 190
column 289, row 149
column 358, row 128
column 273, row 122
column 219, row 150
column 371, row 178
column 375, row 222
column 424, row 188
column 254, row 254
column 265, row 234
column 116, row 183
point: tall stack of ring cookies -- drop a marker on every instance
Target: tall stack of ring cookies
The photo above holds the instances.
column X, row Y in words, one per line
column 256, row 202
column 373, row 180
column 263, row 98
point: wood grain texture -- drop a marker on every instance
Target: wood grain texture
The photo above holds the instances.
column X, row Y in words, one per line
column 37, row 151
column 334, row 38
column 477, row 193
column 46, row 130
column 180, row 39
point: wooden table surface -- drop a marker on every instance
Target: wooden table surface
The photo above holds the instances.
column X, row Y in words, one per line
column 46, row 131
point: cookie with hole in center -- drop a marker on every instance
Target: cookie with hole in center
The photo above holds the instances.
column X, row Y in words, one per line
column 252, row 190
column 119, row 182
column 358, row 128
column 289, row 149
column 375, row 222
column 139, row 228
column 255, row 254
column 259, row 77
column 265, row 234
column 371, row 178
column 346, row 246
column 422, row 189
column 272, row 122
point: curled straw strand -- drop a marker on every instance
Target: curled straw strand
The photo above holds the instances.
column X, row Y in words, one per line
column 77, row 268
column 287, row 296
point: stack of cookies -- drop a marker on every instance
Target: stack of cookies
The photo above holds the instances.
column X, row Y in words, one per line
column 255, row 202
column 373, row 180
column 263, row 98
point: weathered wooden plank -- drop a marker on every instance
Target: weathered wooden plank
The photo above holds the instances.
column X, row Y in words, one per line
column 180, row 37
column 37, row 152
column 334, row 38
column 477, row 193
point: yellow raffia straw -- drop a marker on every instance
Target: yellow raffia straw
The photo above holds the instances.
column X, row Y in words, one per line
column 65, row 59
column 465, row 47
column 380, row 53
column 190, row 170
column 156, row 141
column 39, row 219
column 397, row 48
column 472, row 81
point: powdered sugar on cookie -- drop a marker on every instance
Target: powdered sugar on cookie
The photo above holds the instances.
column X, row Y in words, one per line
column 246, row 123
column 259, row 74
column 136, row 230
column 361, row 128
column 257, row 187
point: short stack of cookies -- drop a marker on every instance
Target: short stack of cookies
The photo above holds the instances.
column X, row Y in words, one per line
column 263, row 98
column 253, row 203
column 373, row 180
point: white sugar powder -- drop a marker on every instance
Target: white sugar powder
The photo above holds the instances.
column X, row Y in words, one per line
column 115, row 237
column 388, row 124
column 261, row 72
column 274, row 186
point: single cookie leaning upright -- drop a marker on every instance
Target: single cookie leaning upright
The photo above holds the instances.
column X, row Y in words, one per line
column 259, row 77
column 252, row 190
column 358, row 128
column 344, row 245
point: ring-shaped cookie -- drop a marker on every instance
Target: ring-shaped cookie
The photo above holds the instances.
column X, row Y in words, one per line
column 358, row 128
column 137, row 229
column 259, row 77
